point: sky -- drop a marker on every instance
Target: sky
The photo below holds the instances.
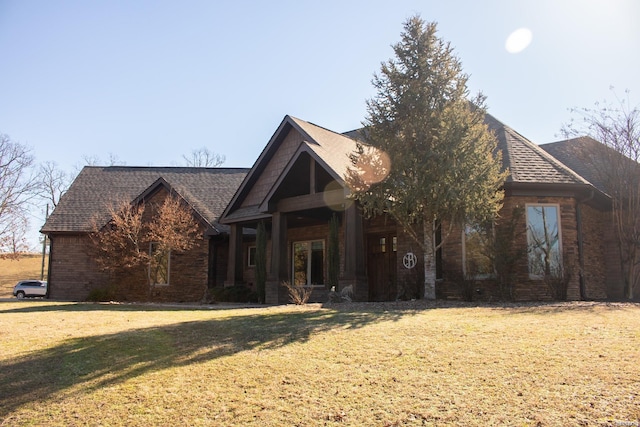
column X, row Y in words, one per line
column 146, row 82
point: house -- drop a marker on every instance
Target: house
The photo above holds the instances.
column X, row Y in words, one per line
column 73, row 271
column 297, row 184
column 601, row 165
column 558, row 220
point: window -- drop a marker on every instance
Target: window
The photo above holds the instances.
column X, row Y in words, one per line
column 251, row 256
column 476, row 243
column 543, row 241
column 308, row 263
column 158, row 264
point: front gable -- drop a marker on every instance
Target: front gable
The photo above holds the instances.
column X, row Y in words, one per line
column 299, row 166
column 164, row 189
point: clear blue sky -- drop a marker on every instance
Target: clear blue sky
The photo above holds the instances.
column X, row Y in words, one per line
column 149, row 81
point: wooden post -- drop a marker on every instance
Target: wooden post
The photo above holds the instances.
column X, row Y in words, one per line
column 234, row 266
column 278, row 272
column 354, row 253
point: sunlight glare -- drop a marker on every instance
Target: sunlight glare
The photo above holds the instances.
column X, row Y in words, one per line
column 518, row 40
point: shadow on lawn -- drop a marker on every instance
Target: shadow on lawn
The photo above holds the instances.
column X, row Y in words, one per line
column 46, row 305
column 91, row 363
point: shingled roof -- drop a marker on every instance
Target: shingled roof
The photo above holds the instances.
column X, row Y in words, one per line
column 330, row 149
column 586, row 156
column 95, row 189
column 527, row 162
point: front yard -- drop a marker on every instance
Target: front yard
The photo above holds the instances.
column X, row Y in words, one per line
column 361, row 364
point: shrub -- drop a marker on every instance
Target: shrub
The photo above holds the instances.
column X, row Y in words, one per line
column 558, row 283
column 298, row 294
column 100, row 295
column 235, row 293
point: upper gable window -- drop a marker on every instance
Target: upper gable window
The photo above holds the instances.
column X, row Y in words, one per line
column 543, row 241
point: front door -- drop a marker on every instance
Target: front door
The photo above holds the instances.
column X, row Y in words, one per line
column 381, row 267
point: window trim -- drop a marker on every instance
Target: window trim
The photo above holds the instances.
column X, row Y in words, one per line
column 324, row 262
column 533, row 276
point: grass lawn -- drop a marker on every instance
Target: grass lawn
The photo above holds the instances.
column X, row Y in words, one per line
column 361, row 364
column 12, row 271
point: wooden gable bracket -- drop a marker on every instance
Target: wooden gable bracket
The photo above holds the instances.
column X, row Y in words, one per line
column 312, row 200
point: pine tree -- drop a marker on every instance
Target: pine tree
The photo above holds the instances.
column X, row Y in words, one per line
column 442, row 166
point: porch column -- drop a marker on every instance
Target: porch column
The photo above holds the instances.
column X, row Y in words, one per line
column 354, row 254
column 234, row 265
column 274, row 292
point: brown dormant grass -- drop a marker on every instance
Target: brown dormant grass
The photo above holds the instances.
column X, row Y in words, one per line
column 12, row 271
column 405, row 364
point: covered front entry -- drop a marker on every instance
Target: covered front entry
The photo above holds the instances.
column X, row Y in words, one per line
column 382, row 266
column 295, row 188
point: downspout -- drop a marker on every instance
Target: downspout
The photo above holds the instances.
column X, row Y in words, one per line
column 583, row 286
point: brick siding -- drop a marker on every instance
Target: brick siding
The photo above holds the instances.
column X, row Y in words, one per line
column 74, row 273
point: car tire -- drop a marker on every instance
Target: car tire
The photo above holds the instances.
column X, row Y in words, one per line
column 20, row 295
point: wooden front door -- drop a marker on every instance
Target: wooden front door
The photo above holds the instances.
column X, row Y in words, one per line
column 381, row 267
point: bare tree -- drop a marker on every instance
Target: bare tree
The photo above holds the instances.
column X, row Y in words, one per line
column 616, row 166
column 204, row 158
column 54, row 182
column 135, row 238
column 93, row 160
column 18, row 185
column 174, row 227
column 119, row 242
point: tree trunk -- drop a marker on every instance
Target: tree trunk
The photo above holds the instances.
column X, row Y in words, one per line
column 429, row 261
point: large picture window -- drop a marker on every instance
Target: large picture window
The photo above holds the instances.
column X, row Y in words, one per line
column 308, row 263
column 543, row 241
column 159, row 264
column 477, row 262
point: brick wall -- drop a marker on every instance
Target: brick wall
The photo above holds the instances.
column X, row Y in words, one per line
column 596, row 253
column 72, row 270
column 74, row 273
column 525, row 287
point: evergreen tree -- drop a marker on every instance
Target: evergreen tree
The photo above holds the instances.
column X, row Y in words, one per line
column 442, row 167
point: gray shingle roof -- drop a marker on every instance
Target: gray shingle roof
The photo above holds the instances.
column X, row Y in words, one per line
column 331, row 147
column 527, row 162
column 207, row 190
column 584, row 155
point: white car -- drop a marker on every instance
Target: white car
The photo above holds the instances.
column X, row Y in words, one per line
column 30, row 288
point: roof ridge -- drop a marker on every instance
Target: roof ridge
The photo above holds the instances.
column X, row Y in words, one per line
column 320, row 127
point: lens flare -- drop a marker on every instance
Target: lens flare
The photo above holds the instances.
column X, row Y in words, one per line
column 519, row 40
